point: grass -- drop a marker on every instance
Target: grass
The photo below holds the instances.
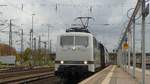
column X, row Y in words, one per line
column 49, row 63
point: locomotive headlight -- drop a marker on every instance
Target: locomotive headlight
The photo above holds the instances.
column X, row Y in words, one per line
column 85, row 62
column 73, row 48
column 62, row 62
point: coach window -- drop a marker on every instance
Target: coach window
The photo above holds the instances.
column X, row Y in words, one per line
column 81, row 41
column 67, row 41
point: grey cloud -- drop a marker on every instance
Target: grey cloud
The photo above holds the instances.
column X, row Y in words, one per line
column 111, row 12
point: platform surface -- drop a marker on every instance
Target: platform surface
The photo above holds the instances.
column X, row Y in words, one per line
column 138, row 75
column 110, row 75
column 121, row 77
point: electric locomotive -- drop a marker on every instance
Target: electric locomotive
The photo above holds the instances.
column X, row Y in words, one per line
column 78, row 53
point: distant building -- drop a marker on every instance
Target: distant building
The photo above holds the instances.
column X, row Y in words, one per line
column 11, row 60
column 5, row 50
column 7, row 54
column 139, row 58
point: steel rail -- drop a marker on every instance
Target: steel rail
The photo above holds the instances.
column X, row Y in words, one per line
column 27, row 78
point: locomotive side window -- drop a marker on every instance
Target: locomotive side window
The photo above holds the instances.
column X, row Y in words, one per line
column 94, row 42
column 81, row 41
column 67, row 40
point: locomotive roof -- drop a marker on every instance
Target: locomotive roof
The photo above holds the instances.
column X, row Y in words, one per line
column 77, row 33
column 78, row 29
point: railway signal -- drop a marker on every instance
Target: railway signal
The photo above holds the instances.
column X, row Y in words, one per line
column 125, row 45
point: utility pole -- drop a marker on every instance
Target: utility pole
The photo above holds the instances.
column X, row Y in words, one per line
column 31, row 47
column 50, row 46
column 32, row 31
column 134, row 55
column 34, row 44
column 48, row 39
column 129, row 48
column 34, row 50
column 143, row 42
column 30, row 38
column 145, row 12
column 39, row 43
column 22, row 44
column 39, row 49
column 48, row 25
column 10, row 37
column 45, row 52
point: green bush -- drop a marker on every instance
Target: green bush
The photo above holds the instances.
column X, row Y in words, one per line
column 1, row 63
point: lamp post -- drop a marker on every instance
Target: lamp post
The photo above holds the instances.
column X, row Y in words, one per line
column 49, row 41
column 32, row 31
column 31, row 38
column 21, row 44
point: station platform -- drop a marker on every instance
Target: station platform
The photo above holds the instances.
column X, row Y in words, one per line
column 138, row 75
column 110, row 75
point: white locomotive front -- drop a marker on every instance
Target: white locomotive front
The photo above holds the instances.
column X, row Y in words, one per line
column 76, row 53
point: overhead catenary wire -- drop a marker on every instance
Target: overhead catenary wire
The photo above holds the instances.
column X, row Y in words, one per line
column 21, row 8
column 70, row 5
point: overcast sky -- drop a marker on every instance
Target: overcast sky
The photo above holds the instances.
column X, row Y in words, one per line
column 60, row 14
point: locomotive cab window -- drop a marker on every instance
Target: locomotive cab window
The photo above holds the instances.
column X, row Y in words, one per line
column 81, row 41
column 67, row 40
column 95, row 42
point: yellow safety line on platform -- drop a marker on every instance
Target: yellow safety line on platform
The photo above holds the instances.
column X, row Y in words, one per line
column 108, row 77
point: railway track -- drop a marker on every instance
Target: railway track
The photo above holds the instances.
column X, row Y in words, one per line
column 25, row 76
column 16, row 69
